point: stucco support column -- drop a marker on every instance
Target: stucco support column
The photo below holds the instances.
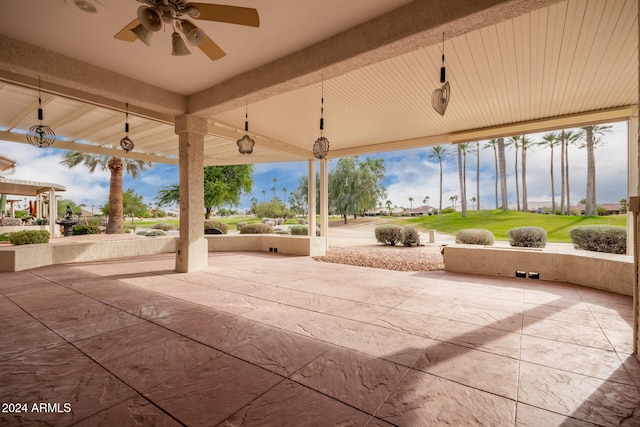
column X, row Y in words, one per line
column 632, row 176
column 54, row 229
column 192, row 250
column 636, row 256
column 311, row 197
column 324, row 201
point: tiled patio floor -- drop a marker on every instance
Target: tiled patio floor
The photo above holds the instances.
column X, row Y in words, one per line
column 272, row 340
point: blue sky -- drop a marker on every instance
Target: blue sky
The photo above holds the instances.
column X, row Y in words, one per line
column 408, row 174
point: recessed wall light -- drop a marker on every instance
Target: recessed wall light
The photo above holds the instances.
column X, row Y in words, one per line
column 88, row 6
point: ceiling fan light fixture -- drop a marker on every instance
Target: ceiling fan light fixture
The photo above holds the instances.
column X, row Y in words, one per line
column 194, row 35
column 178, row 46
column 150, row 18
column 143, row 34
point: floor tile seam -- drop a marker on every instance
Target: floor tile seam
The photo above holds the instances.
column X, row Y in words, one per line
column 558, row 413
column 610, row 349
column 548, row 318
column 607, row 380
column 33, row 350
column 609, row 339
column 481, row 349
column 519, row 368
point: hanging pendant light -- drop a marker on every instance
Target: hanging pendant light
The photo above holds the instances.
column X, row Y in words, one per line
column 41, row 135
column 126, row 143
column 178, row 46
column 440, row 97
column 321, row 146
column 245, row 144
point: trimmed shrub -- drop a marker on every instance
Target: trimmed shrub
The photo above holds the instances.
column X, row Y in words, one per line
column 270, row 223
column 448, row 210
column 299, row 230
column 528, row 237
column 302, row 220
column 282, row 232
column 279, row 221
column 265, row 219
column 4, row 237
column 155, row 233
column 212, row 223
column 78, row 230
column 42, row 221
column 164, row 226
column 129, row 229
column 600, row 238
column 389, row 234
column 410, row 236
column 143, row 233
column 11, row 222
column 29, row 237
column 257, row 229
column 241, row 224
column 475, row 236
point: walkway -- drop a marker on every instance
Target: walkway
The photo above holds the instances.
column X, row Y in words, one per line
column 272, row 340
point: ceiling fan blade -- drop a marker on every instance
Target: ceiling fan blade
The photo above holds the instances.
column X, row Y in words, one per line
column 125, row 34
column 230, row 14
column 211, row 49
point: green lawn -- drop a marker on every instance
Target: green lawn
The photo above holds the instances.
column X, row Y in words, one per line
column 499, row 222
column 232, row 222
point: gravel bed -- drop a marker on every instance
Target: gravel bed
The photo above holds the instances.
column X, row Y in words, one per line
column 386, row 257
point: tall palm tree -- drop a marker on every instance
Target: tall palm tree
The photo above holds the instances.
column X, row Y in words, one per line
column 526, row 144
column 410, row 202
column 463, row 149
column 115, row 165
column 493, row 143
column 284, row 190
column 504, row 194
column 274, row 183
column 478, row 173
column 264, row 195
column 388, row 205
column 473, row 202
column 592, row 138
column 514, row 142
column 274, row 191
column 571, row 137
column 439, row 152
column 550, row 140
column 453, row 199
column 426, row 200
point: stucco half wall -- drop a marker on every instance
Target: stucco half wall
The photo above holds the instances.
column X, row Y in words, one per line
column 596, row 270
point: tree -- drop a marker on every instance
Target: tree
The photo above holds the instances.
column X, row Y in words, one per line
column 550, row 140
column 453, row 199
column 514, row 142
column 274, row 186
column 493, row 143
column 411, row 203
column 591, row 136
column 462, row 174
column 303, row 189
column 388, row 205
column 115, row 165
column 439, row 152
column 264, row 195
column 297, row 203
column 526, row 144
column 132, row 203
column 473, row 201
column 503, row 175
column 62, row 207
column 478, row 173
column 284, row 190
column 426, row 200
column 571, row 137
column 355, row 186
column 223, row 186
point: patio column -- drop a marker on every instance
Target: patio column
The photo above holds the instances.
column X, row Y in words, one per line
column 324, row 201
column 54, row 229
column 192, row 249
column 632, row 176
column 311, row 197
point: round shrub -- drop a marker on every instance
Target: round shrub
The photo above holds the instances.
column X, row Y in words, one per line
column 155, row 233
column 241, row 224
column 4, row 237
column 302, row 220
column 270, row 223
column 299, row 230
column 265, row 219
column 42, row 221
column 257, row 229
column 528, row 237
column 448, row 210
column 600, row 238
column 389, row 234
column 29, row 237
column 212, row 223
column 279, row 221
column 475, row 236
column 79, row 230
column 282, row 232
column 11, row 222
column 164, row 226
column 410, row 236
column 142, row 233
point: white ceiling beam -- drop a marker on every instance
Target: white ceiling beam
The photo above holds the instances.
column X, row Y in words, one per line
column 80, row 112
column 229, row 132
column 404, row 144
column 88, row 148
column 97, row 127
column 29, row 110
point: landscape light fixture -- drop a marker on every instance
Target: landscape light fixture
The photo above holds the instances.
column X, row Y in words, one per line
column 40, row 135
column 440, row 97
column 321, row 146
column 245, row 144
column 126, row 143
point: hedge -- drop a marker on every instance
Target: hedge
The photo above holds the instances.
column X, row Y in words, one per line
column 600, row 238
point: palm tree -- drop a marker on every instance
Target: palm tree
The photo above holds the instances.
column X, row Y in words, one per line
column 504, row 195
column 514, row 142
column 473, row 202
column 264, row 195
column 274, row 191
column 462, row 173
column 592, row 138
column 493, row 143
column 478, row 173
column 550, row 140
column 274, row 182
column 426, row 200
column 115, row 223
column 411, row 202
column 453, row 199
column 439, row 152
column 571, row 138
column 284, row 190
column 525, row 143
column 388, row 205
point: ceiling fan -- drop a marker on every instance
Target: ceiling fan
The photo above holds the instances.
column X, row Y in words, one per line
column 177, row 13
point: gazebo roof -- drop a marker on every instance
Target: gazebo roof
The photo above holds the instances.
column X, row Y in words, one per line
column 26, row 188
column 514, row 67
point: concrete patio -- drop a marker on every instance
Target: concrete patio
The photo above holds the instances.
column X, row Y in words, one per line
column 269, row 339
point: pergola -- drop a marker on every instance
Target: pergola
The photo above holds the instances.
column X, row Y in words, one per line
column 515, row 67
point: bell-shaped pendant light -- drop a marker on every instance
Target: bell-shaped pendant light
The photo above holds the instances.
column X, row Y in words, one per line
column 321, row 146
column 143, row 34
column 194, row 35
column 40, row 135
column 126, row 143
column 178, row 46
column 150, row 18
column 245, row 144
